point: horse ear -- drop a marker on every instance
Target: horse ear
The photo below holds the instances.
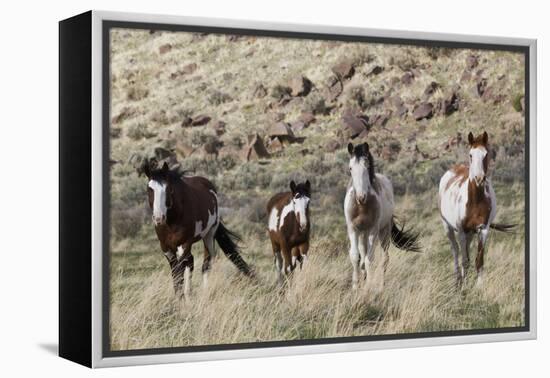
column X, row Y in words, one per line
column 350, row 148
column 366, row 146
column 308, row 187
column 293, row 187
column 165, row 168
column 471, row 138
column 485, row 137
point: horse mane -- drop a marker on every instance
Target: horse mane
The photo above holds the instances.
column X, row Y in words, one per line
column 362, row 150
column 155, row 171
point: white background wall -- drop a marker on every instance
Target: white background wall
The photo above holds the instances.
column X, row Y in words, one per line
column 28, row 180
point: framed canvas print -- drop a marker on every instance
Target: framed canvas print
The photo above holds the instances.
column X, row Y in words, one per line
column 234, row 189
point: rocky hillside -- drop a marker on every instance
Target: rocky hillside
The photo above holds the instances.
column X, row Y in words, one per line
column 251, row 113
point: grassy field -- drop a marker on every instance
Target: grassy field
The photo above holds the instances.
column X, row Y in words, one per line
column 161, row 79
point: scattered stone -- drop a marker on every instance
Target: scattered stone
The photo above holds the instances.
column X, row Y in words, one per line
column 481, row 86
column 275, row 145
column 380, row 120
column 219, row 127
column 332, row 145
column 307, row 118
column 278, row 117
column 188, row 69
column 186, row 121
column 255, row 149
column 472, row 62
column 124, row 114
column 407, row 78
column 282, row 131
column 200, row 120
column 401, row 111
column 212, row 146
column 297, row 126
column 260, row 91
column 423, row 111
column 299, row 86
column 391, row 150
column 344, row 69
column 375, row 71
column 354, row 125
column 334, row 91
column 450, row 104
column 165, row 48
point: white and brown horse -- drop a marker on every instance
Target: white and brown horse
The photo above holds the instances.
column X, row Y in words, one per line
column 467, row 204
column 369, row 212
column 289, row 226
column 185, row 211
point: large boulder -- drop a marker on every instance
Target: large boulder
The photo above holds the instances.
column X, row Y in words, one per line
column 299, row 86
column 354, row 125
column 281, row 131
column 423, row 111
column 200, row 120
column 344, row 70
column 255, row 148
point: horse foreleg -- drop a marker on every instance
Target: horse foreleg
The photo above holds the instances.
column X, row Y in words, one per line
column 464, row 240
column 287, row 259
column 454, row 249
column 278, row 259
column 184, row 268
column 354, row 257
column 482, row 241
column 296, row 257
column 369, row 242
column 171, row 257
column 304, row 247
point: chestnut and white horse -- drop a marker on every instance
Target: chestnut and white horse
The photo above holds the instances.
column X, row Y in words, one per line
column 289, row 227
column 467, row 204
column 369, row 212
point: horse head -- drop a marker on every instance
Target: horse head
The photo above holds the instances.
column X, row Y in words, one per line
column 301, row 194
column 361, row 167
column 160, row 192
column 479, row 158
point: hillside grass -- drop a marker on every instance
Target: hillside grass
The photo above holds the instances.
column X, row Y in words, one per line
column 419, row 294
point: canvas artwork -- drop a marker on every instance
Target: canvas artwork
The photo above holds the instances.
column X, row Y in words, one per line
column 270, row 189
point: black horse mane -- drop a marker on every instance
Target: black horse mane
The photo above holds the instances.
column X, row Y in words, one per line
column 362, row 150
column 151, row 169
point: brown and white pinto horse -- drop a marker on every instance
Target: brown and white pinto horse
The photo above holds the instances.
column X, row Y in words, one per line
column 369, row 208
column 185, row 211
column 467, row 204
column 289, row 226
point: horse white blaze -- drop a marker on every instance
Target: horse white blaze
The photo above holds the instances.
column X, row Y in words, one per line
column 159, row 201
column 477, row 170
column 359, row 177
column 300, row 208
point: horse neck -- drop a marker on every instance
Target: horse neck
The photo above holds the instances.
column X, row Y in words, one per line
column 175, row 212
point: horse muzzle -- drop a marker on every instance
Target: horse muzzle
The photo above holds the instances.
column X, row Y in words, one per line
column 361, row 200
column 480, row 180
column 159, row 220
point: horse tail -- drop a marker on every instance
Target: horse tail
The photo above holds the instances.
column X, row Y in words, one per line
column 227, row 240
column 406, row 240
column 506, row 228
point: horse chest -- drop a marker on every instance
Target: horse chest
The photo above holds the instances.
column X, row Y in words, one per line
column 477, row 214
column 365, row 216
